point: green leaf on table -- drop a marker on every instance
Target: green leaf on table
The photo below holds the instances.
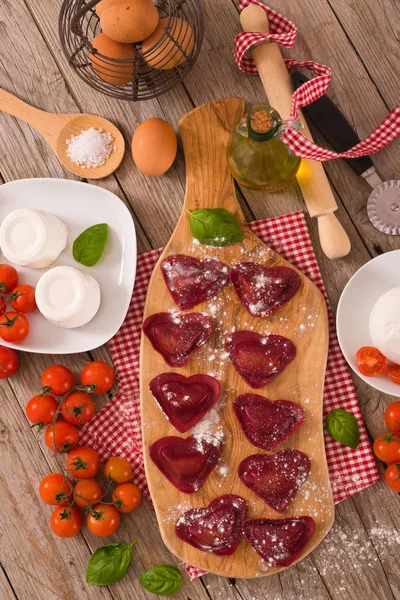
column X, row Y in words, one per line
column 215, row 227
column 163, row 580
column 109, row 563
column 89, row 245
column 343, row 426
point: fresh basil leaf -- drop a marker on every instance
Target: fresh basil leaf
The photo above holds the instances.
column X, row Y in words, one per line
column 89, row 245
column 343, row 426
column 215, row 227
column 109, row 564
column 163, row 580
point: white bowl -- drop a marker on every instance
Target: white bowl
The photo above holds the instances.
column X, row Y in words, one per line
column 376, row 277
column 78, row 205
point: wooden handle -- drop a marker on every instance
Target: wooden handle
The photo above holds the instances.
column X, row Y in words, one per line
column 314, row 185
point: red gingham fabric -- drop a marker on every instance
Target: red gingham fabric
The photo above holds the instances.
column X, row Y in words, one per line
column 284, row 32
column 116, row 429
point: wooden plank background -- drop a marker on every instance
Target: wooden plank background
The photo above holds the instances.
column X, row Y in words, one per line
column 360, row 41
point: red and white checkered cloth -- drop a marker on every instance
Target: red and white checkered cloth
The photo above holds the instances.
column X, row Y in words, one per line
column 283, row 31
column 116, row 429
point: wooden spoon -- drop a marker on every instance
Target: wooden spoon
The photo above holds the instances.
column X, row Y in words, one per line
column 57, row 129
column 204, row 132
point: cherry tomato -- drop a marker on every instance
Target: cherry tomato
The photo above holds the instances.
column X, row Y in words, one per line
column 65, row 436
column 14, row 327
column 129, row 496
column 371, row 362
column 392, row 416
column 392, row 477
column 87, row 492
column 41, row 409
column 100, row 374
column 77, row 408
column 66, row 521
column 387, row 447
column 103, row 520
column 58, row 379
column 55, row 489
column 23, row 298
column 118, row 469
column 8, row 278
column 8, row 362
column 3, row 305
column 394, row 373
column 83, row 462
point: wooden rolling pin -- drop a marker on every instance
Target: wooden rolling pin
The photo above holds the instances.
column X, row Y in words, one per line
column 313, row 182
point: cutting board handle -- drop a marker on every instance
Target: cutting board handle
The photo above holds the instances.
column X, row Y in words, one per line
column 205, row 132
column 313, row 182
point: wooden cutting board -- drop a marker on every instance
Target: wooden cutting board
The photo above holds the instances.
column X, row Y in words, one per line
column 204, row 132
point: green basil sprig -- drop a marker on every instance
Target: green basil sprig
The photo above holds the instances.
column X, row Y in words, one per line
column 109, row 563
column 215, row 227
column 343, row 426
column 163, row 580
column 89, row 245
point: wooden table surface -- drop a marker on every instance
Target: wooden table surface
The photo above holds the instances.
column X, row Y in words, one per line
column 360, row 557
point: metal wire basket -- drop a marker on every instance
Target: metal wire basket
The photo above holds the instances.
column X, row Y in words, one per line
column 147, row 74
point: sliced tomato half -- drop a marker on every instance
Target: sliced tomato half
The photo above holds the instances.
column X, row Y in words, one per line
column 371, row 362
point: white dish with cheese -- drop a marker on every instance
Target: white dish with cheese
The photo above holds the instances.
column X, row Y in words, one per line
column 368, row 314
column 78, row 206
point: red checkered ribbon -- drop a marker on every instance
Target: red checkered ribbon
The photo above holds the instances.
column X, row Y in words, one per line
column 284, row 33
column 116, row 429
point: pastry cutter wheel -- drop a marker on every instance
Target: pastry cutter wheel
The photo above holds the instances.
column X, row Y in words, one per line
column 383, row 205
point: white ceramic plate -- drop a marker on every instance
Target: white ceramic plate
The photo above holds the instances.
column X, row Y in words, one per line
column 79, row 205
column 356, row 302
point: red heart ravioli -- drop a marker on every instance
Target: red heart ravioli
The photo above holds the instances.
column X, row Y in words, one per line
column 258, row 359
column 275, row 478
column 185, row 400
column 279, row 541
column 261, row 290
column 186, row 463
column 217, row 528
column 265, row 423
column 176, row 337
column 191, row 281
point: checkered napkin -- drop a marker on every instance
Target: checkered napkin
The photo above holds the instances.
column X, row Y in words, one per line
column 116, row 429
column 283, row 31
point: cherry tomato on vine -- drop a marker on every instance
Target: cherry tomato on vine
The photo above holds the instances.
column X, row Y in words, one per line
column 129, row 495
column 387, row 447
column 103, row 520
column 77, row 408
column 55, row 489
column 392, row 416
column 66, row 521
column 394, row 373
column 83, row 462
column 100, row 374
column 392, row 476
column 23, row 299
column 14, row 327
column 58, row 379
column 371, row 362
column 41, row 409
column 8, row 362
column 118, row 469
column 87, row 492
column 8, row 278
column 65, row 436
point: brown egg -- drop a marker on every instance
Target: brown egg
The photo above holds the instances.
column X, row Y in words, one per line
column 129, row 21
column 154, row 147
column 101, row 6
column 116, row 74
column 167, row 54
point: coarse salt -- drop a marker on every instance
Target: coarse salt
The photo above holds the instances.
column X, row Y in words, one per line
column 91, row 148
